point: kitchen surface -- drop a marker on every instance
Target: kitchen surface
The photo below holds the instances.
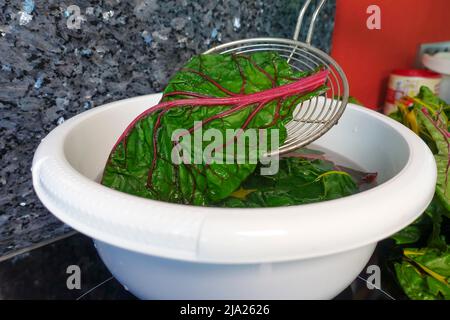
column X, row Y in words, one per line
column 122, row 49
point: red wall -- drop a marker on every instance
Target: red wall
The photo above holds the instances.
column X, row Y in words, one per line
column 368, row 56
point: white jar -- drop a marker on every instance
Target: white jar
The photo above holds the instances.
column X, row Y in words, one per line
column 440, row 62
column 407, row 82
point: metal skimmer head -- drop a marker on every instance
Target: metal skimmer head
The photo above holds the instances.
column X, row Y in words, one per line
column 311, row 118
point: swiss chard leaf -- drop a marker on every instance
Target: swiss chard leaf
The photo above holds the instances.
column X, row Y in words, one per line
column 408, row 235
column 436, row 213
column 427, row 229
column 223, row 92
column 425, row 273
column 426, row 115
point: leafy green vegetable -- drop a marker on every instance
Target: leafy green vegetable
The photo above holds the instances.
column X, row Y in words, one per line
column 425, row 115
column 354, row 101
column 410, row 234
column 298, row 181
column 440, row 137
column 424, row 273
column 223, row 92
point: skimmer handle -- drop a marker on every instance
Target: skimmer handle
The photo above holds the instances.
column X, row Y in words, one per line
column 301, row 15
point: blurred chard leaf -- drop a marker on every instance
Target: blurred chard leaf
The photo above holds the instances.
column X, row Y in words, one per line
column 219, row 92
column 354, row 101
column 424, row 273
column 410, row 234
column 436, row 213
column 438, row 131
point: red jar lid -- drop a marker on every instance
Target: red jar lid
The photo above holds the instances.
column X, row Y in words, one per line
column 422, row 73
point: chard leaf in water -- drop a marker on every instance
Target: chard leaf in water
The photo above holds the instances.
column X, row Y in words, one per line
column 298, row 181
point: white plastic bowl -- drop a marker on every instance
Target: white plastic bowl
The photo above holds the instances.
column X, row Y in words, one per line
column 164, row 250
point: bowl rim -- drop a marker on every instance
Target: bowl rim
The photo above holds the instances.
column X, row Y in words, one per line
column 229, row 235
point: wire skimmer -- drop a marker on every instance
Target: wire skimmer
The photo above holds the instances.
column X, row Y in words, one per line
column 312, row 118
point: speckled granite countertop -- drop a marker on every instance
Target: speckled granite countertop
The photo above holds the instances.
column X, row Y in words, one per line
column 55, row 63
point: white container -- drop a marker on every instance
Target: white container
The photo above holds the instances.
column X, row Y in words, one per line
column 163, row 250
column 440, row 62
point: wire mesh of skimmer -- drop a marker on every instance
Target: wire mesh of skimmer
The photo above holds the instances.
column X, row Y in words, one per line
column 311, row 118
